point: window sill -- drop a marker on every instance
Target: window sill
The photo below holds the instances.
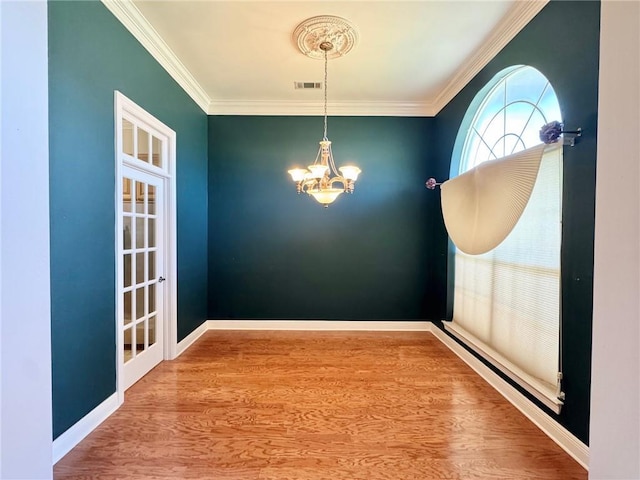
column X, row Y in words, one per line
column 541, row 391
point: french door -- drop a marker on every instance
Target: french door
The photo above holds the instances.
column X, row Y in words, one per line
column 143, row 266
column 145, row 243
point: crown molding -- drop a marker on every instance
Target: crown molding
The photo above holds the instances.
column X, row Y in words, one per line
column 133, row 20
column 516, row 19
column 128, row 14
column 336, row 109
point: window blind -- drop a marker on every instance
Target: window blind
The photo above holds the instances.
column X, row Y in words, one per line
column 507, row 301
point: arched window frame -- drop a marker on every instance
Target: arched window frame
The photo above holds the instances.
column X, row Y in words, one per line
column 460, row 162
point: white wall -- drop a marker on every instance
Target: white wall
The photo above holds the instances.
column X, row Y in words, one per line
column 615, row 385
column 25, row 318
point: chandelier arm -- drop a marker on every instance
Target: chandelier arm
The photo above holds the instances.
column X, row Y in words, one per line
column 309, row 185
column 332, row 165
column 338, row 179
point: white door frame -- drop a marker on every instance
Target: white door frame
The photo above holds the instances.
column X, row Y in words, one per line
column 125, row 107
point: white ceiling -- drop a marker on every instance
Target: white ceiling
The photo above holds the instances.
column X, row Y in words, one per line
column 239, row 57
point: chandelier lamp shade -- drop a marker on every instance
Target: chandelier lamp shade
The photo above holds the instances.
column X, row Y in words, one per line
column 319, row 37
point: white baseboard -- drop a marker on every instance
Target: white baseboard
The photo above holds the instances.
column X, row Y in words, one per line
column 69, row 439
column 319, row 325
column 187, row 341
column 565, row 439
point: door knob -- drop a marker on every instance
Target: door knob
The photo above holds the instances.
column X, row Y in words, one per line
column 161, row 279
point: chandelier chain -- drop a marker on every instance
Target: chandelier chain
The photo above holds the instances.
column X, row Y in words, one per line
column 325, row 94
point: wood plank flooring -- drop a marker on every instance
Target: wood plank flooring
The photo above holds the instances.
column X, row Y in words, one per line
column 316, row 405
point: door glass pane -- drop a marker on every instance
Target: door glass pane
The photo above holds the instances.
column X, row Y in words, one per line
column 152, row 232
column 139, row 303
column 152, row 298
column 127, row 270
column 126, row 232
column 140, row 194
column 140, row 232
column 127, row 308
column 143, row 145
column 140, row 341
column 156, row 146
column 128, row 345
column 139, row 197
column 135, row 340
column 152, row 330
column 140, row 270
column 127, row 137
column 152, row 265
column 151, row 200
column 126, row 194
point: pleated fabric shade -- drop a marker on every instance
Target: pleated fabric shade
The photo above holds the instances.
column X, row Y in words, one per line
column 481, row 206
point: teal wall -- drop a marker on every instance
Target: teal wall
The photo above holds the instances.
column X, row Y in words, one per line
column 91, row 55
column 563, row 43
column 379, row 254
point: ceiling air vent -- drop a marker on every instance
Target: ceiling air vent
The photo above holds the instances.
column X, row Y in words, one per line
column 308, row 85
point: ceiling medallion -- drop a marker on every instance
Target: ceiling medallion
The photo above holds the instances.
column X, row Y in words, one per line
column 312, row 32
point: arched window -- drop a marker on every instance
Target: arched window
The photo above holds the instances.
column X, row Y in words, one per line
column 507, row 118
column 507, row 300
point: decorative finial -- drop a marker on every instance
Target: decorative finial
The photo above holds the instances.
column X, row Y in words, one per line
column 550, row 133
column 431, row 184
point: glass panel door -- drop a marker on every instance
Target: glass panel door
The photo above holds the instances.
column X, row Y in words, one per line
column 145, row 242
column 142, row 257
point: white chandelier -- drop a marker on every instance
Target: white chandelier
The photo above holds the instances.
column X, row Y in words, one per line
column 319, row 179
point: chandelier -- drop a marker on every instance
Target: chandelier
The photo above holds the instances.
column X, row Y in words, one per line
column 321, row 180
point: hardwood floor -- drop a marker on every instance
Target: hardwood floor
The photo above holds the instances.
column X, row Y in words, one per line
column 316, row 405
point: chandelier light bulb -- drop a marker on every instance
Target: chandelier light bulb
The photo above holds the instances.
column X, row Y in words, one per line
column 349, row 172
column 318, row 170
column 298, row 174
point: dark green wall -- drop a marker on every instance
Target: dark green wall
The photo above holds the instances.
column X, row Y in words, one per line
column 563, row 43
column 91, row 55
column 375, row 255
